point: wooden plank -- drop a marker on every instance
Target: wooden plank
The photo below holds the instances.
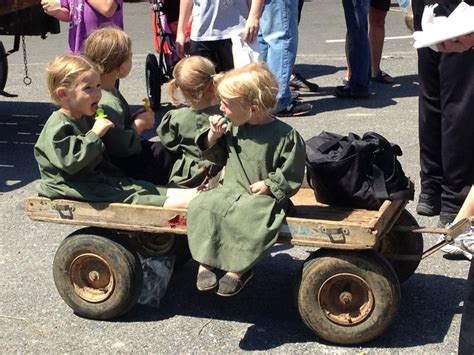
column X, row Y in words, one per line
column 8, row 6
column 298, row 231
column 118, row 216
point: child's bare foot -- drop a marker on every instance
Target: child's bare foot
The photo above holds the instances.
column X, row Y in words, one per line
column 232, row 283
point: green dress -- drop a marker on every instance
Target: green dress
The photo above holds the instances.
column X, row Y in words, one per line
column 178, row 131
column 228, row 228
column 73, row 165
column 120, row 141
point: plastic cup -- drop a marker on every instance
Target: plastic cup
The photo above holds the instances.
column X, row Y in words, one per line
column 54, row 5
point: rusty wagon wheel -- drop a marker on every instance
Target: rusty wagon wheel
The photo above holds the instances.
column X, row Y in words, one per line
column 153, row 244
column 154, row 78
column 348, row 297
column 3, row 67
column 403, row 249
column 96, row 274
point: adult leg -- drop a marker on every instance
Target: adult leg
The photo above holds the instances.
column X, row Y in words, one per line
column 429, row 130
column 457, row 128
column 355, row 13
column 466, row 339
column 376, row 39
column 279, row 32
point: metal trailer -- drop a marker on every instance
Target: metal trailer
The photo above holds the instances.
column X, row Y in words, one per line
column 348, row 290
column 20, row 18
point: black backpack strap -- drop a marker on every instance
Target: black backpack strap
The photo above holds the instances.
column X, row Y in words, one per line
column 380, row 188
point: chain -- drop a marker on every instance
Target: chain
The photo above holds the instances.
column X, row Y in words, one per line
column 26, row 79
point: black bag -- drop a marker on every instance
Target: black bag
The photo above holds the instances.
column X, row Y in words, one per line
column 356, row 172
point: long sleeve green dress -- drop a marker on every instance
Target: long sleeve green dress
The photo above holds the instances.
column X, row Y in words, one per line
column 178, row 131
column 228, row 227
column 73, row 164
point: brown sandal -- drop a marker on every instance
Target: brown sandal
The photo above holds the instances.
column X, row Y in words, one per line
column 206, row 280
column 230, row 286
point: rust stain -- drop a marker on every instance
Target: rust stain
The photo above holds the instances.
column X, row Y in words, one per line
column 177, row 221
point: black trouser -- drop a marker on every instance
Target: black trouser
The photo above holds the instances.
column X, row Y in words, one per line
column 219, row 52
column 466, row 335
column 153, row 164
column 446, row 119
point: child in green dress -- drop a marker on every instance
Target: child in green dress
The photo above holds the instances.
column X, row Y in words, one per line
column 193, row 80
column 71, row 153
column 230, row 228
column 111, row 49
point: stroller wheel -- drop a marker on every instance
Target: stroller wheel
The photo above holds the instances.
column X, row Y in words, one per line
column 154, row 78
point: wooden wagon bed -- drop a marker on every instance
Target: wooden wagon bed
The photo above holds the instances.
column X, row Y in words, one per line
column 310, row 224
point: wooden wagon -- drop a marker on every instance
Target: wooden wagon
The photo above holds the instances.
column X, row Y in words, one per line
column 348, row 290
column 19, row 18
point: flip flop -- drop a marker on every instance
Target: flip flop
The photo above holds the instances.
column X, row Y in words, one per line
column 383, row 77
column 230, row 286
column 206, row 280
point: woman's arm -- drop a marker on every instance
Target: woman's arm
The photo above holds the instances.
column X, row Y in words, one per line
column 61, row 14
column 106, row 8
column 185, row 11
column 253, row 20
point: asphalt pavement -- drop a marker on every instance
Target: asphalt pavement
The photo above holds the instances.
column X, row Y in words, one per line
column 33, row 317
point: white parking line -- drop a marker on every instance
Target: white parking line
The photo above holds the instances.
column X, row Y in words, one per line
column 386, row 38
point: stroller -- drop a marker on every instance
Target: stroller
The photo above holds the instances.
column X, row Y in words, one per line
column 165, row 15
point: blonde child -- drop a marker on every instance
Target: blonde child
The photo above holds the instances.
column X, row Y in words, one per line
column 193, row 80
column 70, row 150
column 230, row 228
column 111, row 49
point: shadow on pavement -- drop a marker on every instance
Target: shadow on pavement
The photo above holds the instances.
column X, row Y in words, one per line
column 20, row 126
column 267, row 304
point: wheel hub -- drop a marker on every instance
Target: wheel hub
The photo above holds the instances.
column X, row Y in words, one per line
column 156, row 245
column 346, row 299
column 92, row 278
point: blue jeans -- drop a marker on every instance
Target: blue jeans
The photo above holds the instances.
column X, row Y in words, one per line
column 355, row 12
column 278, row 37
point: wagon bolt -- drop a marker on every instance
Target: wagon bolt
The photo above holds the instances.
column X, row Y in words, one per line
column 346, row 297
column 93, row 275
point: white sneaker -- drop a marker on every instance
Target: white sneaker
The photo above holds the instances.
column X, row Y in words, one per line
column 462, row 245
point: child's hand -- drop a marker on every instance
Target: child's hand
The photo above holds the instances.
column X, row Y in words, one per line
column 102, row 126
column 144, row 121
column 47, row 7
column 260, row 188
column 218, row 128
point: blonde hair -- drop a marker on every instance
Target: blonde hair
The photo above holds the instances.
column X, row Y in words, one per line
column 191, row 76
column 108, row 47
column 64, row 70
column 254, row 84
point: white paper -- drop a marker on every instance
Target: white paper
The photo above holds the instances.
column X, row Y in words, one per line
column 437, row 29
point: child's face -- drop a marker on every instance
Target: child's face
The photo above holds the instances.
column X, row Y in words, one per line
column 238, row 111
column 84, row 95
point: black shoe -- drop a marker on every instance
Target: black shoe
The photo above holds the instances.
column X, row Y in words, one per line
column 428, row 205
column 299, row 83
column 296, row 108
column 345, row 92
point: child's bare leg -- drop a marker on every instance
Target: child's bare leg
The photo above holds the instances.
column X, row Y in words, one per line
column 179, row 198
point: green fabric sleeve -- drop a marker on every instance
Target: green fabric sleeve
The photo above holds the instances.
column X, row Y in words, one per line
column 168, row 133
column 217, row 154
column 70, row 152
column 287, row 179
column 122, row 140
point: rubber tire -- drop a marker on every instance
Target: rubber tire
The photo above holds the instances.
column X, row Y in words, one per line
column 154, row 78
column 374, row 269
column 124, row 264
column 3, row 67
column 179, row 248
column 403, row 243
